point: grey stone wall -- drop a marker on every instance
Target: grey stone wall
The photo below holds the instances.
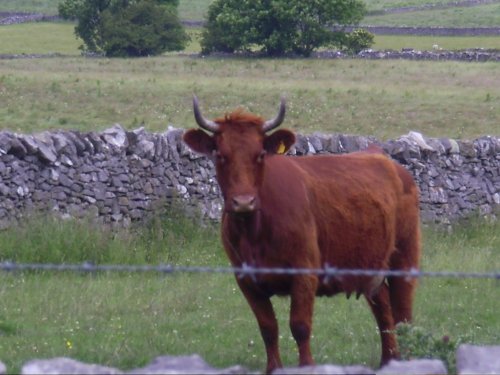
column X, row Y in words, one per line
column 437, row 54
column 120, row 176
column 470, row 359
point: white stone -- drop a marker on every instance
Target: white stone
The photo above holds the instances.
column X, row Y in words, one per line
column 414, row 367
column 473, row 359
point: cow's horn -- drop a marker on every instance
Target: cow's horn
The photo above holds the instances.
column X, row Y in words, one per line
column 209, row 125
column 275, row 122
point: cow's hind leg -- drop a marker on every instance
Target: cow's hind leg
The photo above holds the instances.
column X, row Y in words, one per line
column 268, row 325
column 381, row 308
column 301, row 313
column 402, row 289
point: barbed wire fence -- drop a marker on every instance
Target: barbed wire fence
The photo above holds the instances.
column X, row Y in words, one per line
column 245, row 270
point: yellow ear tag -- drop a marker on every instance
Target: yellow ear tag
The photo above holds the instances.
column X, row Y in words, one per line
column 281, row 148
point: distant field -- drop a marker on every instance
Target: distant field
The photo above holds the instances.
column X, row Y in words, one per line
column 188, row 9
column 35, row 6
column 478, row 16
column 384, row 98
column 483, row 15
column 53, row 37
column 388, row 4
column 193, row 9
column 380, row 98
column 39, row 37
column 59, row 37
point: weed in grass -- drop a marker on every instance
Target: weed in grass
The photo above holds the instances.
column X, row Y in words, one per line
column 6, row 328
column 415, row 342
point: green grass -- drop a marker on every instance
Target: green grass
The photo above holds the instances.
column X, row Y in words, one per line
column 196, row 9
column 189, row 9
column 387, row 4
column 380, row 98
column 56, row 38
column 482, row 15
column 49, row 37
column 126, row 320
column 193, row 9
column 39, row 38
column 35, row 6
column 478, row 16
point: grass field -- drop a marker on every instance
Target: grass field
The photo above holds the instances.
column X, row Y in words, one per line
column 59, row 37
column 388, row 4
column 126, row 320
column 39, row 38
column 381, row 98
column 479, row 16
column 195, row 8
column 35, row 6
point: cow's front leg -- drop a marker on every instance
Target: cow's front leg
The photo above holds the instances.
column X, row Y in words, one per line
column 301, row 312
column 266, row 318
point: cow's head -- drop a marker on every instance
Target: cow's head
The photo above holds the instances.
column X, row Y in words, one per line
column 239, row 145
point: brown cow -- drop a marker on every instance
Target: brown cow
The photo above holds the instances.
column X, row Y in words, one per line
column 357, row 210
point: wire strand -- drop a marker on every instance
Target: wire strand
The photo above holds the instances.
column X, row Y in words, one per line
column 245, row 270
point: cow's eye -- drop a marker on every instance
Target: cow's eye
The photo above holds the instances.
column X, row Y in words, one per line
column 260, row 157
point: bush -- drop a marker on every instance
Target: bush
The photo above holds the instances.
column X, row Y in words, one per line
column 358, row 40
column 414, row 342
column 126, row 27
column 141, row 29
column 277, row 27
column 228, row 29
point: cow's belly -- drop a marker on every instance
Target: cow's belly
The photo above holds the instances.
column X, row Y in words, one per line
column 268, row 285
column 357, row 285
column 280, row 285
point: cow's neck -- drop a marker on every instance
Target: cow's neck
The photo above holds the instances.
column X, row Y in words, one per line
column 248, row 226
column 245, row 237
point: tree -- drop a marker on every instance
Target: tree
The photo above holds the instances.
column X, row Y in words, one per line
column 278, row 26
column 126, row 27
column 358, row 40
column 140, row 29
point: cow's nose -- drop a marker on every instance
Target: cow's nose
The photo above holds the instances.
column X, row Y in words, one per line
column 244, row 203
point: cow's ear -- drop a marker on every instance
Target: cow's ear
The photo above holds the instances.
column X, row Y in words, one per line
column 199, row 141
column 279, row 142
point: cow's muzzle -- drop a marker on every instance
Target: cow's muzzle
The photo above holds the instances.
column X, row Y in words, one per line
column 244, row 203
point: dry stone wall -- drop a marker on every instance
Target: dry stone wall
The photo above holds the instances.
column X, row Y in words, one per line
column 470, row 359
column 120, row 176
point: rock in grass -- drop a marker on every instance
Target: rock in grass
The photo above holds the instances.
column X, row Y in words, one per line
column 473, row 359
column 3, row 369
column 414, row 367
column 323, row 369
column 189, row 364
column 64, row 365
